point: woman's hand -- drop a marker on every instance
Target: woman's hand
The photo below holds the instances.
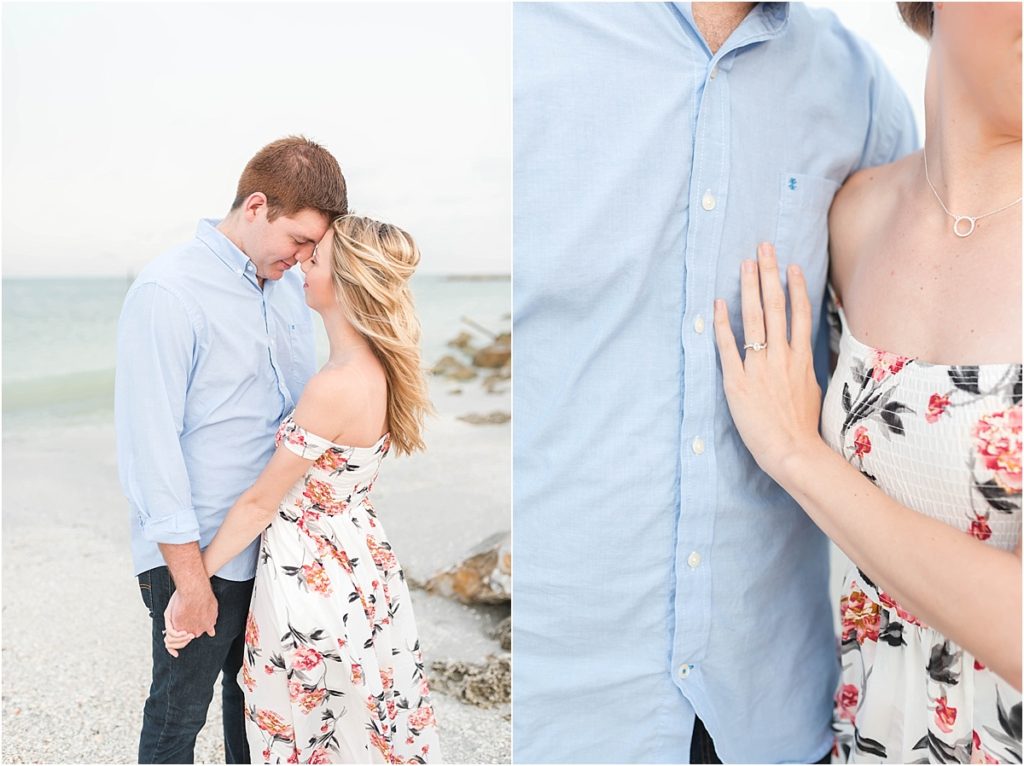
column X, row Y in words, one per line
column 773, row 395
column 174, row 640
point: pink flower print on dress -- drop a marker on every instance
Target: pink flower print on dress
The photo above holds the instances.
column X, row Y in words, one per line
column 979, row 527
column 319, row 756
column 310, row 700
column 319, row 493
column 861, row 442
column 421, row 718
column 860, row 616
column 846, row 702
column 382, row 557
column 308, row 517
column 273, row 724
column 978, row 754
column 317, row 579
column 937, row 405
column 252, row 631
column 998, row 443
column 945, row 716
column 382, row 745
column 306, row 658
column 332, row 460
column 883, row 363
column 247, row 679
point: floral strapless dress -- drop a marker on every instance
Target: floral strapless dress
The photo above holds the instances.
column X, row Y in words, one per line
column 332, row 670
column 944, row 440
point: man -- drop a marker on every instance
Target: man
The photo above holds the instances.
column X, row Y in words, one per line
column 214, row 347
column 671, row 601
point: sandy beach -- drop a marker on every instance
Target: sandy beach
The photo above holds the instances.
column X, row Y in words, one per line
column 76, row 635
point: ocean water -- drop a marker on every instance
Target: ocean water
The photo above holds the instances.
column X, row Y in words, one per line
column 59, row 337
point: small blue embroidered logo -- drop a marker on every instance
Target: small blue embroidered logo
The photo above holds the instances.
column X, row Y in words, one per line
column 792, row 183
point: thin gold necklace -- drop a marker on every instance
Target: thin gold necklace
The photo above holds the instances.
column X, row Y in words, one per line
column 971, row 219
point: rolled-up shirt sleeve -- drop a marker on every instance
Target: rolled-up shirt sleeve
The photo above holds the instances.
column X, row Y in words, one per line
column 156, row 339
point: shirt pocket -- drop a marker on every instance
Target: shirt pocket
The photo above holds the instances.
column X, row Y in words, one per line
column 302, row 348
column 801, row 233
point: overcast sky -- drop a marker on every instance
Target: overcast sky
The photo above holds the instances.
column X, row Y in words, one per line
column 124, row 123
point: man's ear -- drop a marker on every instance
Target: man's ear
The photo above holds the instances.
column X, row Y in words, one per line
column 253, row 204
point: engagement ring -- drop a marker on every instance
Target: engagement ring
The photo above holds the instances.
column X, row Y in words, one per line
column 755, row 346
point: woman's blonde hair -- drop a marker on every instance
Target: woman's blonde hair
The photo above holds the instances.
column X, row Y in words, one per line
column 372, row 263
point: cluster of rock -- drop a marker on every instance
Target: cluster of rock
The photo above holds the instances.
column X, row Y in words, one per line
column 492, row 361
column 484, row 684
column 482, row 577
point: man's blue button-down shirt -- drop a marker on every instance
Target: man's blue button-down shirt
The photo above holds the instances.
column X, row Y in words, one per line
column 207, row 366
column 659, row 572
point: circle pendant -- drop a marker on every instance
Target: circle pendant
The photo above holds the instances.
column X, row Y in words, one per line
column 957, row 229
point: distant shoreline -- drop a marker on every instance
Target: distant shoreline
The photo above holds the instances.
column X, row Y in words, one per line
column 472, row 277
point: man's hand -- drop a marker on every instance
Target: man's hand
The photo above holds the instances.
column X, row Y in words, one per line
column 193, row 612
column 192, row 609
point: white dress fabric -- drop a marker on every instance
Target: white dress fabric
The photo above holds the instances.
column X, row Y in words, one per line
column 332, row 670
column 944, row 440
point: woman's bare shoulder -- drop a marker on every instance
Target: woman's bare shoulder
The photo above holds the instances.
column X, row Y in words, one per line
column 862, row 210
column 332, row 397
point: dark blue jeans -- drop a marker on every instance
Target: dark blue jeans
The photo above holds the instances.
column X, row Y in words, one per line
column 182, row 688
column 702, row 748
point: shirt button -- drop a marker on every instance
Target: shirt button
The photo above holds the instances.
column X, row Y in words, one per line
column 684, row 671
column 714, row 71
column 693, row 560
column 698, row 446
column 708, row 202
column 698, row 324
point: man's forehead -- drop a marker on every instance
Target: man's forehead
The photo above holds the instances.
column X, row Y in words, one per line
column 308, row 223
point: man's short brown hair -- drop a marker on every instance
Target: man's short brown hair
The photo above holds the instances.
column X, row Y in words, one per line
column 295, row 174
column 919, row 17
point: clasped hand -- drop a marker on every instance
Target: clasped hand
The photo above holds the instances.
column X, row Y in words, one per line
column 184, row 620
column 772, row 393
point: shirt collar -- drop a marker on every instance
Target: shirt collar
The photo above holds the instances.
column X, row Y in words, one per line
column 765, row 21
column 226, row 250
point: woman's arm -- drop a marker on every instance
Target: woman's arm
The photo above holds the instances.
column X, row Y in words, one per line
column 968, row 591
column 255, row 509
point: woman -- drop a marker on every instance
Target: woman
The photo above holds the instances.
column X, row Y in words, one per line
column 918, row 477
column 333, row 671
